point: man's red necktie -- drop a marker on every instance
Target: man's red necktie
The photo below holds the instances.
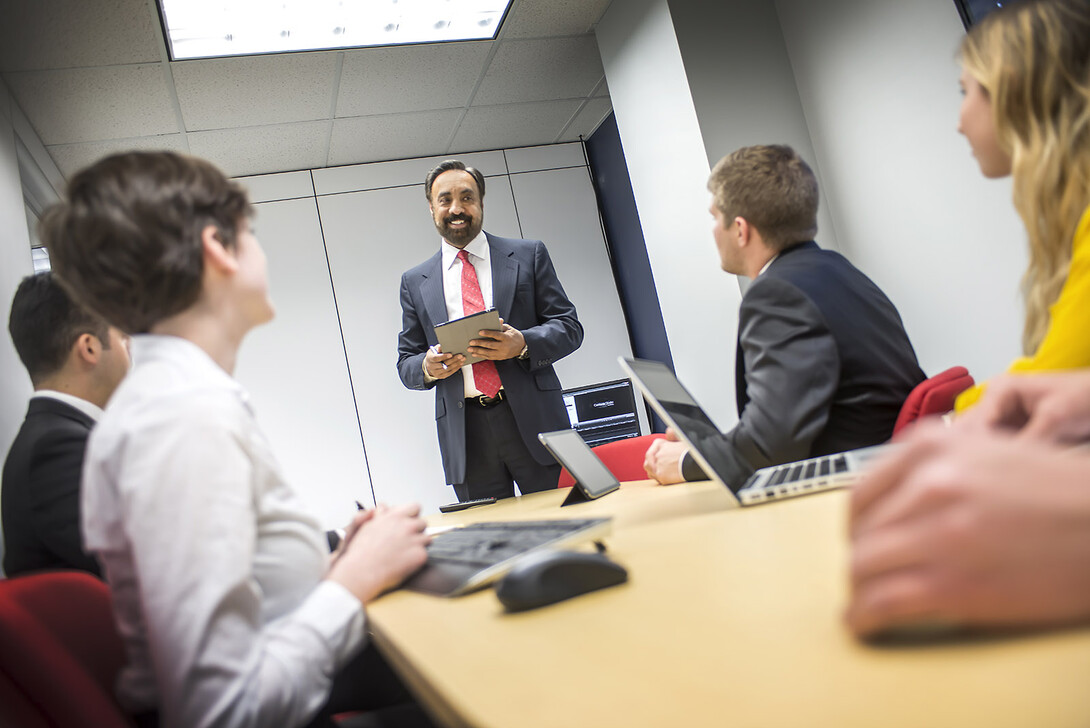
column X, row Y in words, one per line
column 485, row 376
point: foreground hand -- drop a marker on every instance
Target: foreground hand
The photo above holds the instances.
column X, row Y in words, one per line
column 507, row 343
column 971, row 528
column 663, row 459
column 440, row 365
column 384, row 549
column 1053, row 407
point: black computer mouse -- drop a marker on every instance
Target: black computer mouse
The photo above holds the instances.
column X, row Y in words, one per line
column 551, row 576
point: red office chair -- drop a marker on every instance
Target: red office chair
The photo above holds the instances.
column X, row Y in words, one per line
column 60, row 652
column 934, row 396
column 624, row 458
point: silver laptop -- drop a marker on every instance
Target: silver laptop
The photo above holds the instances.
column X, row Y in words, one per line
column 679, row 410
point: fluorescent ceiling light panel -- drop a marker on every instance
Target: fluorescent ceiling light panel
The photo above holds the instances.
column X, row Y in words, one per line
column 216, row 28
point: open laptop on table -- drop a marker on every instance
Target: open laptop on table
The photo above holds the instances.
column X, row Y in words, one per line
column 679, row 410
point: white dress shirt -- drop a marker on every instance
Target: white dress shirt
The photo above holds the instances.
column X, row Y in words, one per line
column 215, row 568
column 481, row 258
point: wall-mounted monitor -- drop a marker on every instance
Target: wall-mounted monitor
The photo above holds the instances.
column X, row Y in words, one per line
column 972, row 11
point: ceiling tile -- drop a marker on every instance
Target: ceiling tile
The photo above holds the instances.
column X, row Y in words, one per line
column 587, row 120
column 93, row 104
column 603, row 88
column 539, row 70
column 396, row 136
column 261, row 150
column 71, row 158
column 256, row 90
column 414, row 78
column 542, row 18
column 513, row 125
column 46, row 34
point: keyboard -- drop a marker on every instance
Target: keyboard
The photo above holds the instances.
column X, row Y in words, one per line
column 805, row 476
column 470, row 557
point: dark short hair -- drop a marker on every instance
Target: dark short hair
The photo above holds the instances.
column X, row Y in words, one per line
column 773, row 188
column 126, row 240
column 445, row 166
column 44, row 324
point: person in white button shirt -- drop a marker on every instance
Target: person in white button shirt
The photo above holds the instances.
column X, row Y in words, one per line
column 232, row 610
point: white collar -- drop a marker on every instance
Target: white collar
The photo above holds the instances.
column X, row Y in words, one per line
column 88, row 408
column 477, row 247
column 765, row 267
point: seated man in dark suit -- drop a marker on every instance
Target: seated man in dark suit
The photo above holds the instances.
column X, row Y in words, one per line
column 823, row 363
column 75, row 362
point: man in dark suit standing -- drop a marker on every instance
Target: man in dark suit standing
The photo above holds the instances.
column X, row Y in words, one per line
column 823, row 363
column 75, row 361
column 490, row 413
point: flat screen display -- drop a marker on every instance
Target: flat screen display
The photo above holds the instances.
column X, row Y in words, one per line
column 972, row 11
column 603, row 412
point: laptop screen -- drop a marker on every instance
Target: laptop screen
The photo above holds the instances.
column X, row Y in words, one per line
column 603, row 412
column 679, row 409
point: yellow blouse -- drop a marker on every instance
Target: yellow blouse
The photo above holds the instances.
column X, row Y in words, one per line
column 1067, row 342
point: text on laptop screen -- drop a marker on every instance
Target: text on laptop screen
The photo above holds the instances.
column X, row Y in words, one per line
column 603, row 412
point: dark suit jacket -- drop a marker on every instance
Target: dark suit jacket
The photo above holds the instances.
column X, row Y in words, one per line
column 41, row 487
column 528, row 296
column 823, row 365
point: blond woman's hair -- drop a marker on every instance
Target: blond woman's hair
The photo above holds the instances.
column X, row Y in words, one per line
column 1033, row 60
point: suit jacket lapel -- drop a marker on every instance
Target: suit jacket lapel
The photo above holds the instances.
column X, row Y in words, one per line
column 504, row 276
column 431, row 290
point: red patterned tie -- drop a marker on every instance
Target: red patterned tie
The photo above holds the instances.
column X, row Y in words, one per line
column 485, row 376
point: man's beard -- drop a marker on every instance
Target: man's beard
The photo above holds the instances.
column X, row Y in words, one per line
column 459, row 236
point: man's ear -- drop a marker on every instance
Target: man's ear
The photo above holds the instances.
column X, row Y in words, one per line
column 87, row 349
column 745, row 231
column 216, row 255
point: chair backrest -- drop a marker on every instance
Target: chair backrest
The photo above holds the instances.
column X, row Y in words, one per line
column 934, row 396
column 60, row 652
column 624, row 458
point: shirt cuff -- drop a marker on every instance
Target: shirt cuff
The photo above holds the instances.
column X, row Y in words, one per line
column 428, row 379
column 336, row 615
column 681, row 463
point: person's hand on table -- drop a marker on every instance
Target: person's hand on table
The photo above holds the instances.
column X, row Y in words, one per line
column 381, row 548
column 971, row 528
column 1046, row 406
column 662, row 462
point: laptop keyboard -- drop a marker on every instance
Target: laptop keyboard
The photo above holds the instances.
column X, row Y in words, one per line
column 793, row 472
column 486, row 544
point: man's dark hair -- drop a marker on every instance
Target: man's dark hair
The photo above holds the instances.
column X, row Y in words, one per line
column 126, row 241
column 445, row 166
column 772, row 188
column 45, row 323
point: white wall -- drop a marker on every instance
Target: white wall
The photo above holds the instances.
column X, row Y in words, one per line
column 668, row 166
column 14, row 264
column 878, row 82
column 741, row 81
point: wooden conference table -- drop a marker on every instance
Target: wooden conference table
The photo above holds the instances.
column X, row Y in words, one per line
column 729, row 617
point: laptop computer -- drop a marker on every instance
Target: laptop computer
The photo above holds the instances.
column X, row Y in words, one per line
column 679, row 410
column 592, row 478
column 468, row 558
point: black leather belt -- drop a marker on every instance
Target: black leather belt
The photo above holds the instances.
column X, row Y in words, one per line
column 486, row 402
